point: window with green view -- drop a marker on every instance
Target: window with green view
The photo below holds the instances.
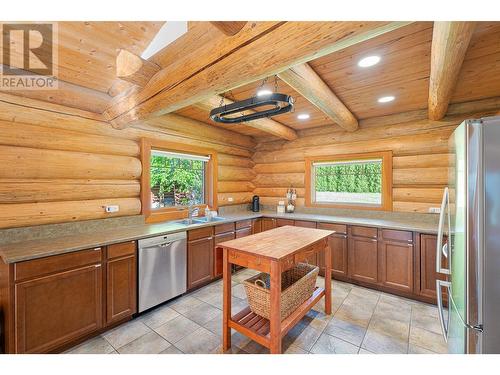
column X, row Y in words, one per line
column 177, row 179
column 348, row 182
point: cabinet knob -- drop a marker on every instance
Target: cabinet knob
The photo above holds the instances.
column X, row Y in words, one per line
column 96, row 248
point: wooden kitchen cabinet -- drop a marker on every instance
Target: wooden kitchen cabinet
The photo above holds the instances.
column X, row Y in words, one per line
column 243, row 232
column 395, row 260
column 55, row 309
column 426, row 268
column 363, row 254
column 313, row 258
column 338, row 246
column 121, row 281
column 282, row 222
column 200, row 257
column 268, row 223
column 256, row 226
column 219, row 238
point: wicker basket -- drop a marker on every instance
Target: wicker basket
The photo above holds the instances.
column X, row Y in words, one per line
column 297, row 285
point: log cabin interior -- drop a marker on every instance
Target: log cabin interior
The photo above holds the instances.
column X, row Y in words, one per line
column 215, row 187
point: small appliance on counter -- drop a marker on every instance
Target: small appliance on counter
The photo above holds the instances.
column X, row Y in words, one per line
column 255, row 203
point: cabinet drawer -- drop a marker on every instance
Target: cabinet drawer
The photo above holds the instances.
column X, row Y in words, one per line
column 337, row 228
column 305, row 224
column 397, row 235
column 243, row 232
column 196, row 234
column 243, row 224
column 121, row 249
column 224, row 228
column 363, row 231
column 57, row 263
column 283, row 222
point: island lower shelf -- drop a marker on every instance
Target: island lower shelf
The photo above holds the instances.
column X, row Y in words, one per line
column 258, row 328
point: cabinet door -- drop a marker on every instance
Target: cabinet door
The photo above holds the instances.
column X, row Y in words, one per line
column 121, row 288
column 218, row 253
column 268, row 223
column 396, row 265
column 56, row 309
column 256, row 226
column 338, row 247
column 362, row 260
column 428, row 274
column 200, row 261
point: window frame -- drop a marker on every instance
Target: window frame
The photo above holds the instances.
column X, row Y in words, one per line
column 173, row 213
column 385, row 156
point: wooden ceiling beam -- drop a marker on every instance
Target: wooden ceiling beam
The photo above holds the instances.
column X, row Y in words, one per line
column 229, row 28
column 134, row 69
column 266, row 125
column 450, row 41
column 276, row 47
column 303, row 79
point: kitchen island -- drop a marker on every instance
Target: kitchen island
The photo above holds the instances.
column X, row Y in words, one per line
column 272, row 252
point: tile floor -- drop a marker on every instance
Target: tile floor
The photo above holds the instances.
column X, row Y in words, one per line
column 363, row 322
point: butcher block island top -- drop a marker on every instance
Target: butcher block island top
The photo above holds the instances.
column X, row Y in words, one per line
column 273, row 252
column 278, row 243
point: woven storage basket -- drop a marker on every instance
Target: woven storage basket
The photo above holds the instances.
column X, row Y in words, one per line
column 297, row 285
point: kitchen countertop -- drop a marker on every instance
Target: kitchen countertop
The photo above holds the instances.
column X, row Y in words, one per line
column 18, row 251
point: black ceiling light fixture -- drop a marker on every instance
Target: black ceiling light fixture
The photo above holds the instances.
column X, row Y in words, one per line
column 271, row 104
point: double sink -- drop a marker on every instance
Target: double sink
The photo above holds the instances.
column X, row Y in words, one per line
column 201, row 220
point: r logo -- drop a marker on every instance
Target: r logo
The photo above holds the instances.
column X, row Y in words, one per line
column 28, row 49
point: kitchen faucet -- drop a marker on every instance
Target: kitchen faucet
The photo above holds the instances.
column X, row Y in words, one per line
column 192, row 211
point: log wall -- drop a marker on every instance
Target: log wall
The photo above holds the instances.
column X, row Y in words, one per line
column 420, row 158
column 59, row 164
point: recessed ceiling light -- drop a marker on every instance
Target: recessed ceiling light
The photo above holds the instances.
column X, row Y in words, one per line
column 303, row 116
column 264, row 92
column 368, row 61
column 386, row 99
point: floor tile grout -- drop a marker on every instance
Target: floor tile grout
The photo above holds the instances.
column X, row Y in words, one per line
column 350, row 291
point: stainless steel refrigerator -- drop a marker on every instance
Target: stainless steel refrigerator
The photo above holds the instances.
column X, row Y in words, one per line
column 468, row 250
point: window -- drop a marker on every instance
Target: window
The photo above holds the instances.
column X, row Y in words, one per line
column 359, row 181
column 174, row 177
column 177, row 179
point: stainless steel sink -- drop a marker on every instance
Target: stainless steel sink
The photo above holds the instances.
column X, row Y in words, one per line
column 200, row 220
column 204, row 219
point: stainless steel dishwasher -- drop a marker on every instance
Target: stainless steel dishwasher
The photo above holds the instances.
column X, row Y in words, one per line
column 162, row 269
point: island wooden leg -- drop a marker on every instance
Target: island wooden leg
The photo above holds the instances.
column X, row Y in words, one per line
column 226, row 275
column 275, row 313
column 328, row 280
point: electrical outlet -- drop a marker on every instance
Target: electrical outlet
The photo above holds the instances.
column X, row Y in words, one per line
column 434, row 210
column 230, row 199
column 111, row 209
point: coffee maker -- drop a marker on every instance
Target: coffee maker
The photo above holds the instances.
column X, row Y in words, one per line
column 255, row 203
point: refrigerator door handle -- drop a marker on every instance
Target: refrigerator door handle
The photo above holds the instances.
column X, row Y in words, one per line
column 444, row 325
column 440, row 248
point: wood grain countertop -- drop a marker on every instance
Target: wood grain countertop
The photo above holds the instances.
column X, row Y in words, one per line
column 278, row 243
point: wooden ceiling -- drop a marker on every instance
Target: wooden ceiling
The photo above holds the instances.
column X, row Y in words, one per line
column 87, row 50
column 403, row 72
column 87, row 54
